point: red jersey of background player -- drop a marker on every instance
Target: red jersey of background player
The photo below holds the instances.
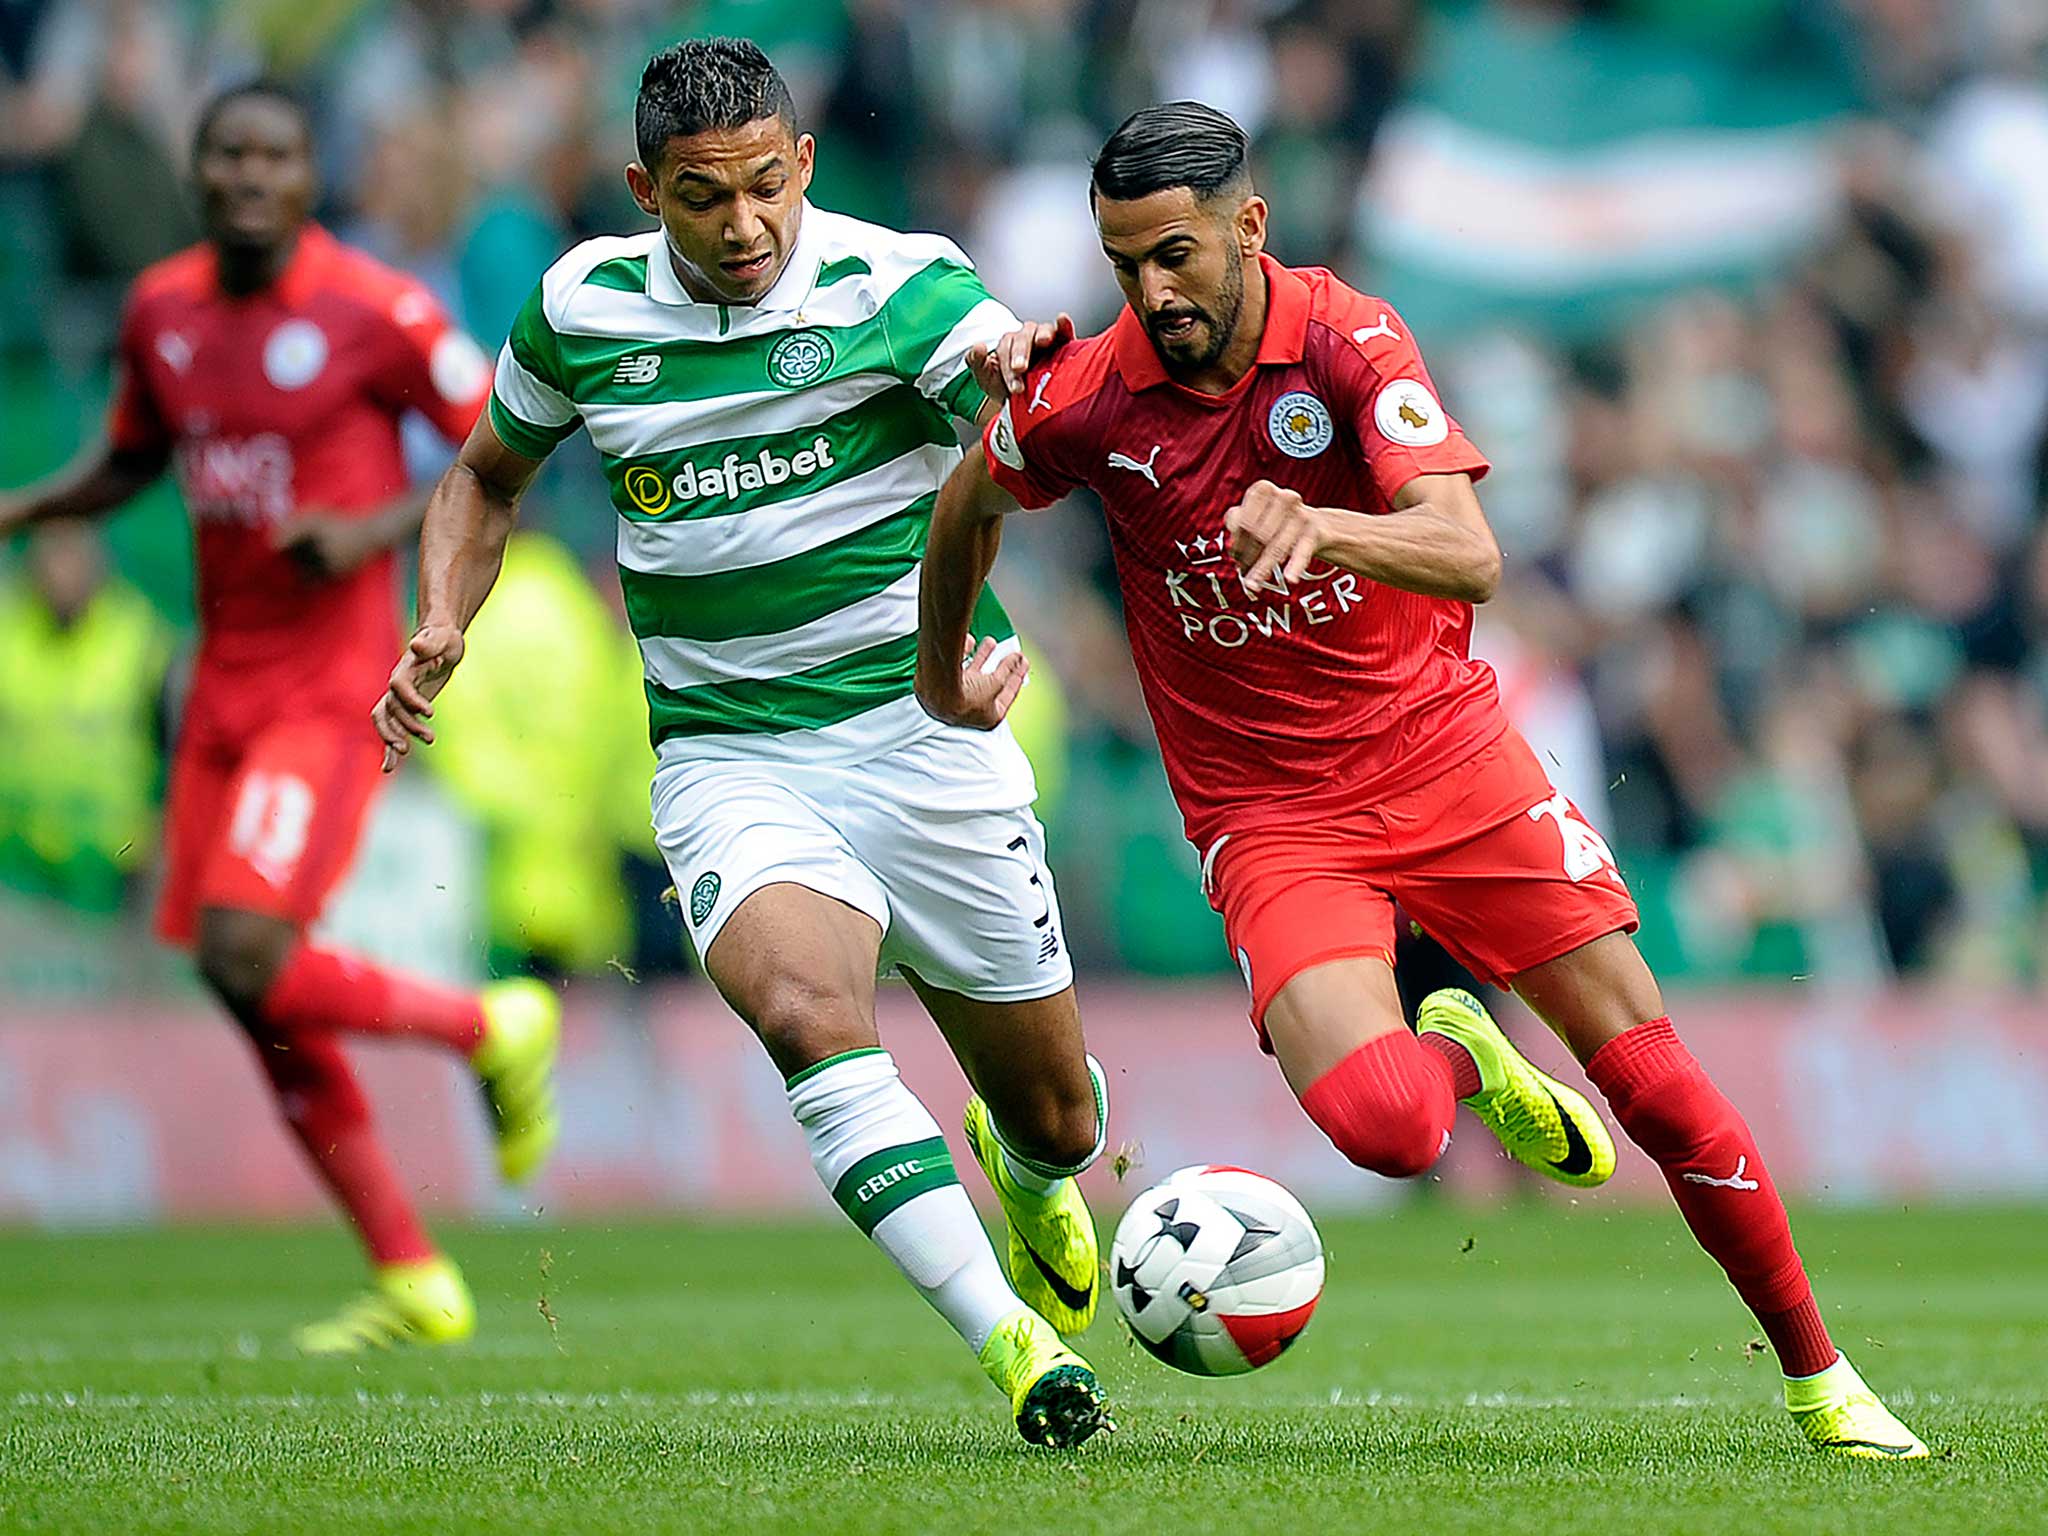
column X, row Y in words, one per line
column 283, row 401
column 1332, row 687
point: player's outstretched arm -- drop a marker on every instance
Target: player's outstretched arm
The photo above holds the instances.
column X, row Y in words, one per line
column 103, row 479
column 462, row 544
column 1436, row 541
column 967, row 530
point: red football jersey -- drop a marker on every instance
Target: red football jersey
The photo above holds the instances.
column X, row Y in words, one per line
column 278, row 402
column 1331, row 688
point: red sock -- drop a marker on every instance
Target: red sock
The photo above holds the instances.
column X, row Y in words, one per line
column 326, row 1110
column 322, row 989
column 1464, row 1070
column 1671, row 1109
column 1387, row 1106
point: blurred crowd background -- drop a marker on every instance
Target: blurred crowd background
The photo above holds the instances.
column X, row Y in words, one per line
column 1747, row 300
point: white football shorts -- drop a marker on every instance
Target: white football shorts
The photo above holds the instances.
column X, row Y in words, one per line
column 942, row 852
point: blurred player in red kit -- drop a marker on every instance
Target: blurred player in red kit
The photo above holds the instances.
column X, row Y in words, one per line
column 270, row 368
column 1299, row 543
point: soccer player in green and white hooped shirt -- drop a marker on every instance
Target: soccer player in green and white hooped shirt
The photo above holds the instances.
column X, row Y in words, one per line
column 772, row 388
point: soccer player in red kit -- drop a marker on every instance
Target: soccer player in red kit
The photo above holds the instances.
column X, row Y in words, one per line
column 270, row 367
column 1299, row 545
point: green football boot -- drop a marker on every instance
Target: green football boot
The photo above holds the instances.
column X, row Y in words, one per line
column 1052, row 1391
column 1840, row 1416
column 1054, row 1265
column 1541, row 1122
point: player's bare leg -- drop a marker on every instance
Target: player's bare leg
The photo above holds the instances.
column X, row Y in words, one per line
column 1606, row 1006
column 799, row 967
column 1386, row 1097
column 1037, row 1120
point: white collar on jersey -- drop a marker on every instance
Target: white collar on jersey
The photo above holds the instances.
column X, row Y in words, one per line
column 799, row 274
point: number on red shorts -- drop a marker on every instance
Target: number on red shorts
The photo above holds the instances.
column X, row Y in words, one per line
column 1585, row 851
column 272, row 818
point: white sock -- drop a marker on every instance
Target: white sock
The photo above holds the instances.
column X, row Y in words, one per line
column 1043, row 1178
column 880, row 1153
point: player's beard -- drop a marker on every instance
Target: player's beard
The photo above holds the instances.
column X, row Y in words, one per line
column 1221, row 324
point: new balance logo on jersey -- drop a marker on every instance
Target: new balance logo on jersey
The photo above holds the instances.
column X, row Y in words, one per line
column 640, row 368
column 1383, row 327
column 1736, row 1181
column 1038, row 400
column 1125, row 461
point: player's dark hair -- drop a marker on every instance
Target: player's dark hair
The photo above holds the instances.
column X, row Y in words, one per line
column 261, row 89
column 702, row 84
column 1173, row 144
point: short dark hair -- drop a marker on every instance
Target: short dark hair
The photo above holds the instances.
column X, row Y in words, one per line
column 1173, row 144
column 260, row 89
column 706, row 83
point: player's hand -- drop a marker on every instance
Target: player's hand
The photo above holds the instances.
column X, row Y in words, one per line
column 325, row 544
column 401, row 716
column 1271, row 531
column 1000, row 369
column 984, row 694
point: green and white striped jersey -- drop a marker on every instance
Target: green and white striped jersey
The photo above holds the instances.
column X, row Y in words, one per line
column 774, row 468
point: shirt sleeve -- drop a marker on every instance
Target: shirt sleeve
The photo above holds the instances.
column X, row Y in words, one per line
column 1402, row 426
column 933, row 320
column 530, row 406
column 135, row 420
column 1023, row 464
column 433, row 366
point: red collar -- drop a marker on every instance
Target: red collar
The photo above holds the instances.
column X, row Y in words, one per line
column 301, row 274
column 1287, row 306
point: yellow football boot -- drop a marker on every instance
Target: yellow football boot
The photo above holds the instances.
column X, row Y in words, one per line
column 1054, row 1265
column 1052, row 1391
column 421, row 1303
column 1840, row 1416
column 1540, row 1121
column 515, row 1066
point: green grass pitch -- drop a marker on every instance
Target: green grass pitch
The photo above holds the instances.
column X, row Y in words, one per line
column 1544, row 1368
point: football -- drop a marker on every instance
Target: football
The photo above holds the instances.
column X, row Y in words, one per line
column 1216, row 1270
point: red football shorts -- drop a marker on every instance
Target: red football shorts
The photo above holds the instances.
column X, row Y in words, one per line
column 1493, row 862
column 264, row 825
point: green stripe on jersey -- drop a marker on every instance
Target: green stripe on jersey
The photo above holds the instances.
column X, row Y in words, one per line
column 525, row 438
column 628, row 274
column 810, row 700
column 888, row 1180
column 742, row 473
column 964, row 397
column 768, row 599
column 844, row 267
column 898, row 338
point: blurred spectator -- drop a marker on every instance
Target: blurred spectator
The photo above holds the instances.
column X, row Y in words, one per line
column 82, row 661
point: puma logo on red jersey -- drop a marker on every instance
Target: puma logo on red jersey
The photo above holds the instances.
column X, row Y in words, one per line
column 1384, row 327
column 1125, row 461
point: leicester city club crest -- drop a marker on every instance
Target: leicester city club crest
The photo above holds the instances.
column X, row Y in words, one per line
column 1300, row 424
column 800, row 358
